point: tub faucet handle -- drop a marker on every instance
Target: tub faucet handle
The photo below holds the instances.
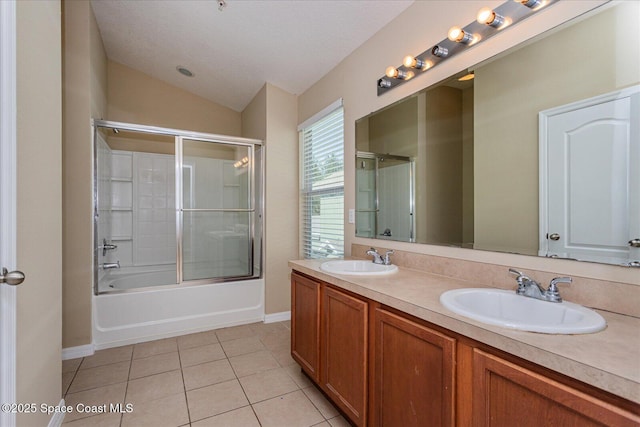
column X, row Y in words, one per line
column 107, row 247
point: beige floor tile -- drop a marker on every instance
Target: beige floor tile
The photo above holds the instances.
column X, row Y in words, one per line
column 243, row 417
column 215, row 399
column 262, row 329
column 283, row 356
column 102, row 420
column 287, row 324
column 276, row 339
column 292, row 410
column 339, row 421
column 207, row 374
column 154, row 365
column 202, row 354
column 295, row 372
column 267, row 384
column 322, row 424
column 197, row 339
column 319, row 401
column 71, row 365
column 95, row 397
column 252, row 363
column 151, row 348
column 108, row 356
column 67, row 377
column 100, row 376
column 169, row 411
column 242, row 346
column 154, row 387
column 234, row 333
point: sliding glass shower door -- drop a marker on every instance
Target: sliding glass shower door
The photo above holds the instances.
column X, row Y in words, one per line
column 216, row 209
column 174, row 207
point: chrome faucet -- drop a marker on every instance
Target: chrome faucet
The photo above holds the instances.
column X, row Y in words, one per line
column 530, row 288
column 378, row 259
column 110, row 265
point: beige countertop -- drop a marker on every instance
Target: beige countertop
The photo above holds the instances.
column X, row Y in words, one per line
column 609, row 359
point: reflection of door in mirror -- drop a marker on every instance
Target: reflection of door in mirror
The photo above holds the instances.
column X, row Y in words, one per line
column 590, row 182
column 385, row 196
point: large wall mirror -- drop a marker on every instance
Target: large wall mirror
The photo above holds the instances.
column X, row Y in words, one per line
column 535, row 151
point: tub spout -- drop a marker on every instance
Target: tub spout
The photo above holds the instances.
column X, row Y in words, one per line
column 110, row 265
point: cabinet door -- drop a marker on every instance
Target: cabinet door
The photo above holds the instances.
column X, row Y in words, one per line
column 305, row 324
column 413, row 374
column 344, row 352
column 505, row 394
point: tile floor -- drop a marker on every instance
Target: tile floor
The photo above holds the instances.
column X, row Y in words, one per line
column 240, row 376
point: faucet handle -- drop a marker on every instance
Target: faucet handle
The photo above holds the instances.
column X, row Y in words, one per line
column 521, row 279
column 387, row 260
column 516, row 272
column 552, row 293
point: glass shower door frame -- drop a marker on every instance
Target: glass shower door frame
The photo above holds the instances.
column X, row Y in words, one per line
column 180, row 209
column 377, row 158
column 255, row 202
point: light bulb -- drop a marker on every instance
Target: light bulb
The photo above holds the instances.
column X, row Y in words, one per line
column 458, row 35
column 529, row 3
column 394, row 73
column 412, row 62
column 489, row 17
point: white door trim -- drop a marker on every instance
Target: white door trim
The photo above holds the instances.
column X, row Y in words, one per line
column 8, row 205
column 543, row 138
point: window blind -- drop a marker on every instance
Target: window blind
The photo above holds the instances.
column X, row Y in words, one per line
column 322, row 187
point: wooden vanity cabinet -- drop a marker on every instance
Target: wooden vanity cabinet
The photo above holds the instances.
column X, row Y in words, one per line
column 382, row 367
column 305, row 324
column 329, row 340
column 413, row 373
column 506, row 394
column 344, row 343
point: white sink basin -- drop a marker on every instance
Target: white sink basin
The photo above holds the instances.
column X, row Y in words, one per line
column 505, row 308
column 357, row 268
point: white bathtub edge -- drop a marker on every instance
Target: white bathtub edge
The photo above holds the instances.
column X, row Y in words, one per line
column 170, row 334
column 277, row 317
column 79, row 351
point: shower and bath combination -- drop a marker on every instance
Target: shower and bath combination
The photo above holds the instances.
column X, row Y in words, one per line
column 174, row 209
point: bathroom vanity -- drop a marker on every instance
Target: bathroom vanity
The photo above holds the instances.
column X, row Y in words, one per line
column 386, row 352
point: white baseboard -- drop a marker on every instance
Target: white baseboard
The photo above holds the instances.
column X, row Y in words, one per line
column 79, row 351
column 277, row 317
column 58, row 417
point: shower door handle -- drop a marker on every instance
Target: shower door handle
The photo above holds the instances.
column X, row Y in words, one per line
column 13, row 278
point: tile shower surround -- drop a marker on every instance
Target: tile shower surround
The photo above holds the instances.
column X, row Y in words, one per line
column 615, row 297
column 240, row 376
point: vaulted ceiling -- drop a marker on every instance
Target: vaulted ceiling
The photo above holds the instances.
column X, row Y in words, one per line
column 232, row 52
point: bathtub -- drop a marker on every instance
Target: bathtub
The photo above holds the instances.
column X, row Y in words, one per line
column 143, row 313
column 135, row 277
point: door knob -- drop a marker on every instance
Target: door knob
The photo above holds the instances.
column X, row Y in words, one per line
column 14, row 278
column 554, row 236
column 634, row 243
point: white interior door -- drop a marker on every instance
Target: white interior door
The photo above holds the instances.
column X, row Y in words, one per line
column 7, row 206
column 592, row 180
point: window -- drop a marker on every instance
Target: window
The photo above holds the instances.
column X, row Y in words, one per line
column 322, row 182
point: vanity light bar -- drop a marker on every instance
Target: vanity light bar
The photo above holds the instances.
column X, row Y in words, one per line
column 488, row 23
